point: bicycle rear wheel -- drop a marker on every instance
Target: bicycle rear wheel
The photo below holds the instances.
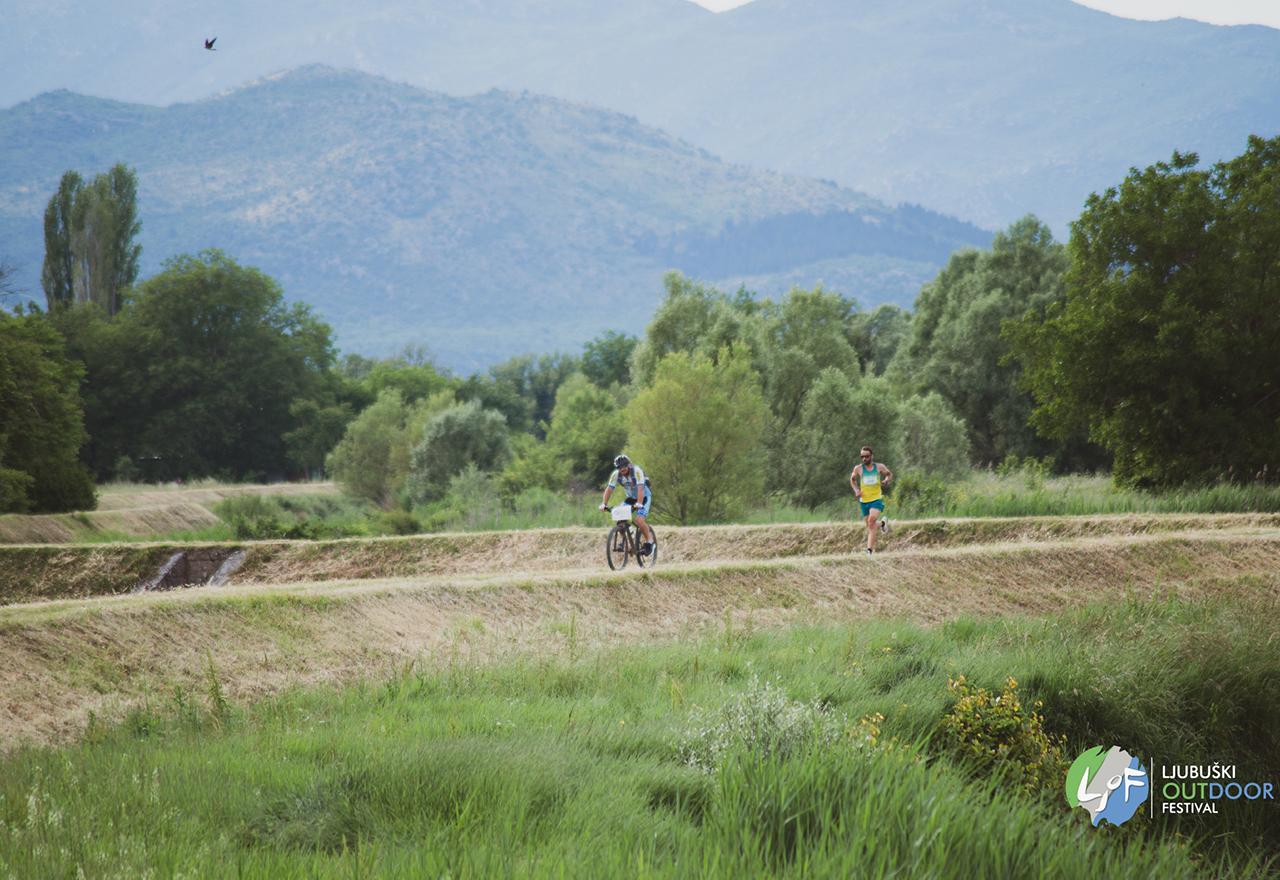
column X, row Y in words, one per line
column 652, row 559
column 617, row 546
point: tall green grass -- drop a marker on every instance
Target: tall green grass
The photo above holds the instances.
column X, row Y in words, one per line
column 988, row 494
column 978, row 494
column 578, row 763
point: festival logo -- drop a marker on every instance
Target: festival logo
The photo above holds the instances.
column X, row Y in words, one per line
column 1110, row 784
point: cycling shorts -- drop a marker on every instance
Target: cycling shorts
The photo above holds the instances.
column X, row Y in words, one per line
column 643, row 511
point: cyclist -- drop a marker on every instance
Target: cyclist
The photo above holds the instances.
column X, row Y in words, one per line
column 639, row 494
column 867, row 478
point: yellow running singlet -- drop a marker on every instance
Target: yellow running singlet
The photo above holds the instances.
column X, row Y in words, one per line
column 870, row 480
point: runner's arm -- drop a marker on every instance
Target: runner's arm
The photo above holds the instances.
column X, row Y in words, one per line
column 885, row 474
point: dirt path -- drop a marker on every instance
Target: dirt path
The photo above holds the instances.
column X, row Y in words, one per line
column 60, row 661
column 35, row 572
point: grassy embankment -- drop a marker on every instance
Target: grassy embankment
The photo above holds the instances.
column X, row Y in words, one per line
column 578, row 761
column 132, row 512
column 42, row 571
column 214, row 512
column 64, row 661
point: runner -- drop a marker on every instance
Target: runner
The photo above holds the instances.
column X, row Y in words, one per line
column 866, row 480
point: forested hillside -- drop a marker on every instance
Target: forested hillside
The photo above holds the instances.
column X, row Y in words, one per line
column 481, row 227
column 985, row 109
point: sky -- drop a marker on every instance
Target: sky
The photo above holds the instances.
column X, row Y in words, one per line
column 1216, row 11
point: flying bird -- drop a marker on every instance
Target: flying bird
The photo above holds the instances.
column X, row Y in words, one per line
column 208, row 44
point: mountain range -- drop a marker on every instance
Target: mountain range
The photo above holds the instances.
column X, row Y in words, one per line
column 982, row 109
column 480, row 227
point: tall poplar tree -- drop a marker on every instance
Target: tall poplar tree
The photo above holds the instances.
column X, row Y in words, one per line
column 55, row 276
column 90, row 250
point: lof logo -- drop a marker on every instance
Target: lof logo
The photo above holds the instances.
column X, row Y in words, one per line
column 1109, row 784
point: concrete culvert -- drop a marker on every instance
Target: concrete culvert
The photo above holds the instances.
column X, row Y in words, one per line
column 211, row 566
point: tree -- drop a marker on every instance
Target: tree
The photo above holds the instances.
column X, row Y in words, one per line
column 109, row 227
column 462, row 435
column 7, row 284
column 414, row 381
column 57, row 273
column 587, row 429
column 41, row 420
column 523, row 389
column 837, row 419
column 198, row 375
column 932, row 439
column 696, row 430
column 533, row 464
column 808, row 331
column 606, row 360
column 320, row 426
column 372, row 459
column 874, row 414
column 1166, row 347
column 878, row 334
column 694, row 318
column 110, row 389
column 818, row 451
column 956, row 348
column 90, row 252
column 364, row 462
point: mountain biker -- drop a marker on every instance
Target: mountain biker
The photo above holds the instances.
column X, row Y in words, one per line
column 867, row 478
column 639, row 494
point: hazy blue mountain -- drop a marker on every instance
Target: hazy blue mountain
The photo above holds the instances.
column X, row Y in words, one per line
column 481, row 226
column 152, row 50
column 986, row 109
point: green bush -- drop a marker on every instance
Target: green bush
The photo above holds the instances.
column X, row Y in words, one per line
column 372, row 459
column 398, row 522
column 533, row 504
column 922, row 494
column 126, row 471
column 1034, row 471
column 463, row 435
column 252, row 517
column 15, row 487
column 996, row 730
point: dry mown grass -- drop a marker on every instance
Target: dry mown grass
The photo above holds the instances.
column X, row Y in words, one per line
column 130, row 496
column 143, row 510
column 61, row 660
column 32, row 572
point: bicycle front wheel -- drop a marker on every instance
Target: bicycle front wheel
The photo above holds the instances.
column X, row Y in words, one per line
column 617, row 546
column 651, row 559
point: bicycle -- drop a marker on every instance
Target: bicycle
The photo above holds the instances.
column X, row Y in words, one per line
column 624, row 540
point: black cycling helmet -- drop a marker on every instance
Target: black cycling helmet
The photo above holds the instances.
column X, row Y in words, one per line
column 621, row 461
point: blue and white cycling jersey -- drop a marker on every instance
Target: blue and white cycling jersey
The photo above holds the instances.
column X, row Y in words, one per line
column 631, row 485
